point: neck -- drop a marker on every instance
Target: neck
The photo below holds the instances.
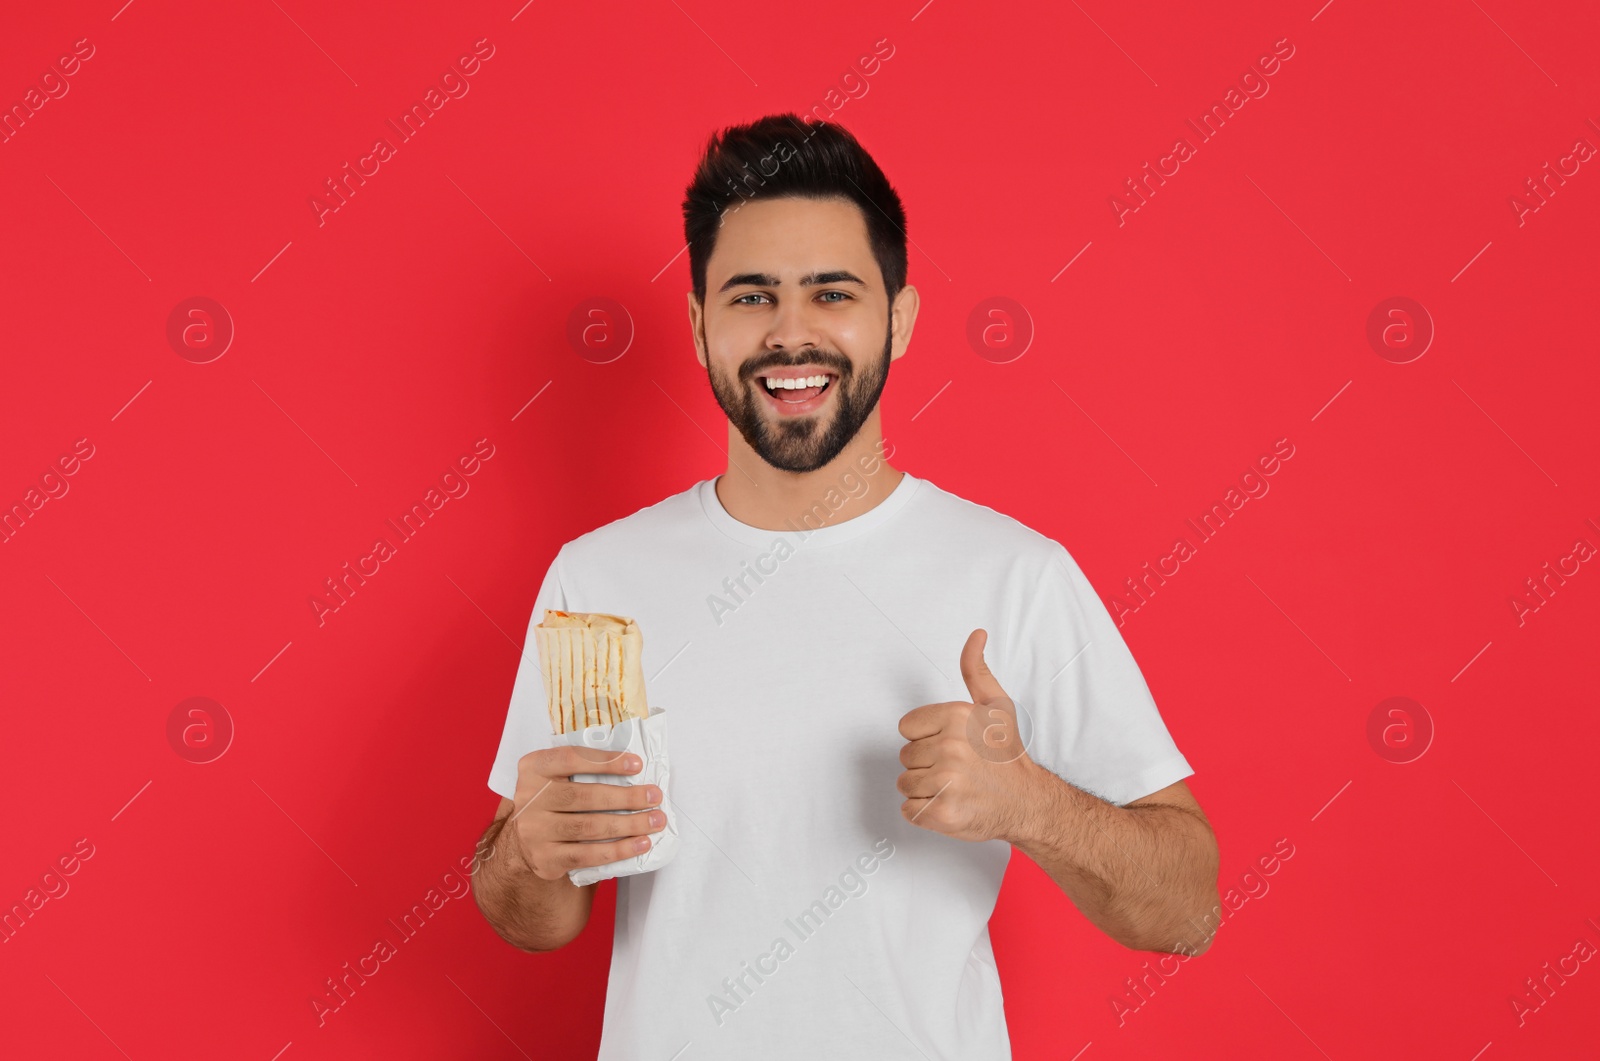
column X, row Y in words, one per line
column 757, row 494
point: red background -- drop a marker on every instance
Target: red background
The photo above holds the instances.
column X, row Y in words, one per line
column 374, row 349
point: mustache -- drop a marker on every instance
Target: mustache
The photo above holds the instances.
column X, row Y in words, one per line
column 758, row 365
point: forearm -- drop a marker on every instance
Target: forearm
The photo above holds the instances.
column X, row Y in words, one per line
column 1146, row 876
column 528, row 912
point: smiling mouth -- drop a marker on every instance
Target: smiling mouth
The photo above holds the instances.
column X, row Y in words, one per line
column 796, row 391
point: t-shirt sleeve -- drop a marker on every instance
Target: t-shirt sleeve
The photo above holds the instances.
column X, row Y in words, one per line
column 527, row 727
column 1094, row 722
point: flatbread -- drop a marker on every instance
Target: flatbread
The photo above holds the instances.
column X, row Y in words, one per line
column 593, row 668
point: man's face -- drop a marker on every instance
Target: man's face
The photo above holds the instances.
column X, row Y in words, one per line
column 794, row 292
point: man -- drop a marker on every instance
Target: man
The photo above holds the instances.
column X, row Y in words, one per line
column 848, row 775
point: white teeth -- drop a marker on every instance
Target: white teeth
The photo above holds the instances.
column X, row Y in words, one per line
column 796, row 383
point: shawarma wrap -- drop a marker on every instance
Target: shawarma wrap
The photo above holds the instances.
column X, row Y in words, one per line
column 593, row 672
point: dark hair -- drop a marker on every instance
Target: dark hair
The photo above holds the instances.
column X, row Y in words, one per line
column 782, row 156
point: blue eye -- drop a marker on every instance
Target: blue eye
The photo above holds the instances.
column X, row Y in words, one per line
column 841, row 294
column 741, row 299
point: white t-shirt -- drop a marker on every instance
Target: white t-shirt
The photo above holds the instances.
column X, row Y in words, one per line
column 802, row 916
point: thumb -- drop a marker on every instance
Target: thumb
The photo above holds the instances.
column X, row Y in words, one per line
column 982, row 685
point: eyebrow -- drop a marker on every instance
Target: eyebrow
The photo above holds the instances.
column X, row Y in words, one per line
column 837, row 276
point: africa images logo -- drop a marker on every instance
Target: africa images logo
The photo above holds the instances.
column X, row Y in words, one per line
column 736, row 588
column 738, row 989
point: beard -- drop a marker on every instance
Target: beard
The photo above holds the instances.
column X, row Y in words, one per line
column 801, row 443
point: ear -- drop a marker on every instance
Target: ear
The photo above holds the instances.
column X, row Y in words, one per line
column 902, row 319
column 697, row 328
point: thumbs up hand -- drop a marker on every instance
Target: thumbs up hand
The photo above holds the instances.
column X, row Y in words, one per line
column 967, row 774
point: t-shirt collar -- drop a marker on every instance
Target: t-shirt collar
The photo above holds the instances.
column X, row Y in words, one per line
column 816, row 526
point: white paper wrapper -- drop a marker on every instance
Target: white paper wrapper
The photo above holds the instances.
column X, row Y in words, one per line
column 646, row 738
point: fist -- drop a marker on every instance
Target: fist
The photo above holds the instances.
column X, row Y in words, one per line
column 561, row 824
column 966, row 769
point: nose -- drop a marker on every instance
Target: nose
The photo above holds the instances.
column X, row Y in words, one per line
column 793, row 327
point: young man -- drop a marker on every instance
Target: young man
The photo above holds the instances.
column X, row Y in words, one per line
column 849, row 776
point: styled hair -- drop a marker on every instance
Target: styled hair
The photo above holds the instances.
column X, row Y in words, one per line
column 785, row 156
